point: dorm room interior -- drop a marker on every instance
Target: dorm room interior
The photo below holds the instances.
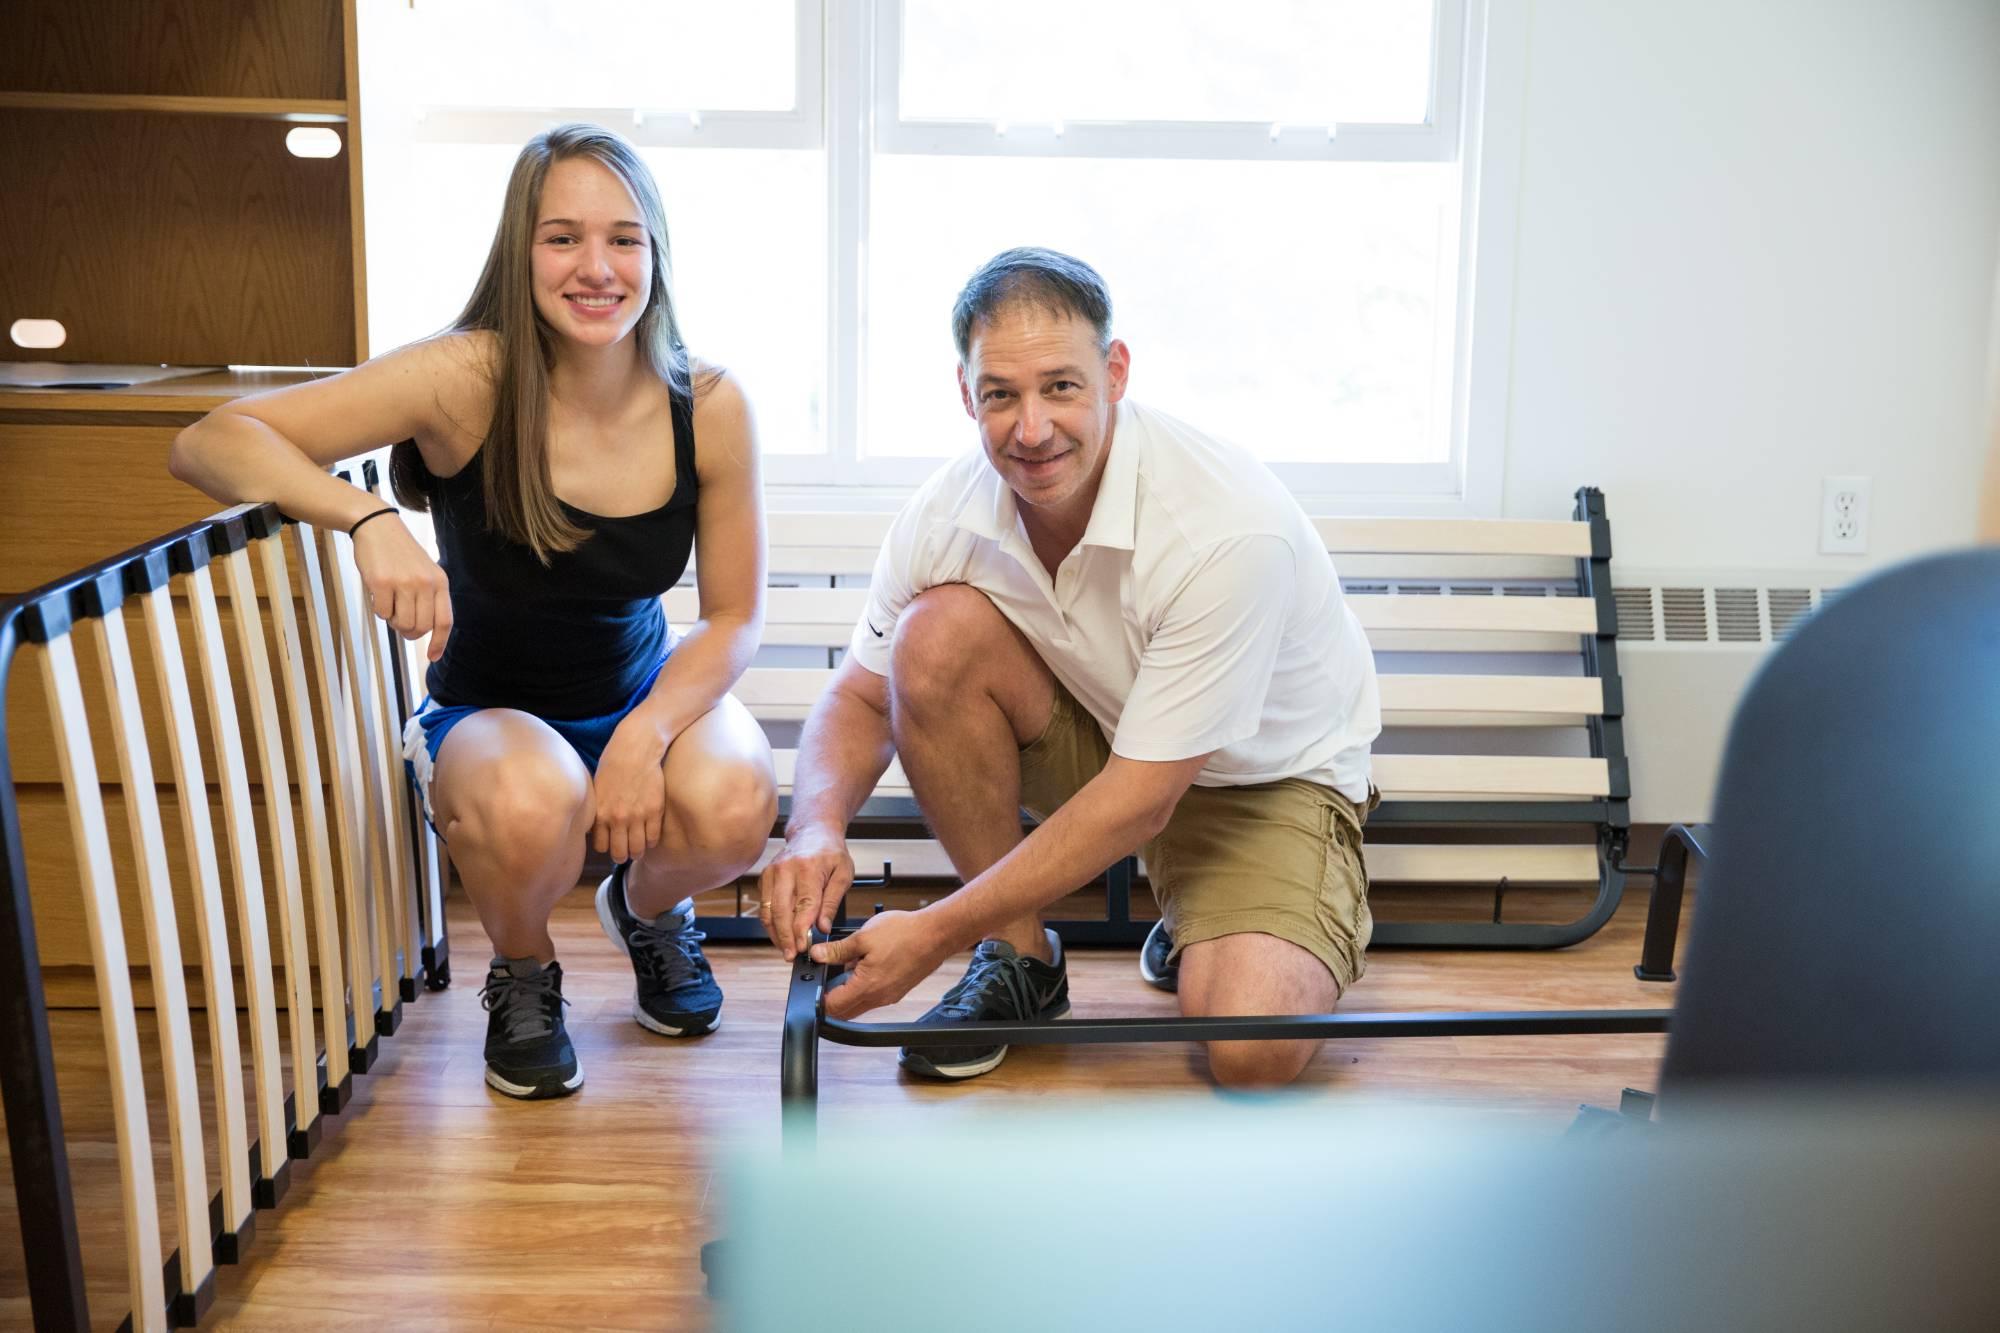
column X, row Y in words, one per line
column 1636, row 369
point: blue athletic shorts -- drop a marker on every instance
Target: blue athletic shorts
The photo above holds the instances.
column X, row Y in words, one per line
column 424, row 735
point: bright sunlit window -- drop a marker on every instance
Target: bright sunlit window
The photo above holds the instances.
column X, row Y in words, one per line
column 1275, row 190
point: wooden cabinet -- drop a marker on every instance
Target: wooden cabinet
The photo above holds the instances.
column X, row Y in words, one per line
column 84, row 475
column 157, row 213
column 159, row 216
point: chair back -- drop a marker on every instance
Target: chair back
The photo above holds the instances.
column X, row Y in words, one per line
column 1848, row 929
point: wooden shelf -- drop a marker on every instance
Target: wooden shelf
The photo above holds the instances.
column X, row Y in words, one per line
column 190, row 395
column 308, row 112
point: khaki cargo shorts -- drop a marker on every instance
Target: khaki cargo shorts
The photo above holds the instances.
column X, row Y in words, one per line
column 1280, row 858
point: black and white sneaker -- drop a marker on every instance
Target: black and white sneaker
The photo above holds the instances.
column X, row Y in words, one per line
column 677, row 995
column 1000, row 986
column 528, row 1053
column 1153, row 965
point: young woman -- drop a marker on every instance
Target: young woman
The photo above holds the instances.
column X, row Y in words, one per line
column 570, row 454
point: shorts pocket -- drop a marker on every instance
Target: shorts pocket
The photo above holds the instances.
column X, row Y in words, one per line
column 1343, row 888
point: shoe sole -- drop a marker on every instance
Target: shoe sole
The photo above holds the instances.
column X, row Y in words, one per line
column 924, row 1067
column 530, row 1092
column 652, row 1024
column 1169, row 980
column 639, row 1014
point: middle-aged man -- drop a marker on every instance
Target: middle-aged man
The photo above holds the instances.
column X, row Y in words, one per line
column 1131, row 629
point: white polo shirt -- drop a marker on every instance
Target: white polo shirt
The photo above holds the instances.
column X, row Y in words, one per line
column 1199, row 613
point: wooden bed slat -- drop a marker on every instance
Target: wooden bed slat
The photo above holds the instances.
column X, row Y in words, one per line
column 1387, row 863
column 290, row 904
column 114, row 986
column 247, row 879
column 232, row 1138
column 1398, row 775
column 312, row 802
column 178, row 1075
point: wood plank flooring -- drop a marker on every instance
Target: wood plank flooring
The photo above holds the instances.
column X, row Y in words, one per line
column 436, row 1203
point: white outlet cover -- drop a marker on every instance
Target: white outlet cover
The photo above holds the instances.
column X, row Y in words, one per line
column 1843, row 516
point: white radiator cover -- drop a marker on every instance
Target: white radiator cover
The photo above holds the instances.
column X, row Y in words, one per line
column 1688, row 643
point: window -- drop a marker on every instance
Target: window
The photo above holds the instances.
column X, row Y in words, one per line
column 1277, row 191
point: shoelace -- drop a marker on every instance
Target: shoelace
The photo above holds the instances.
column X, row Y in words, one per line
column 669, row 955
column 1008, row 973
column 523, row 1002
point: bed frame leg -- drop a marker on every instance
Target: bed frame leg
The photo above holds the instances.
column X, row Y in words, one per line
column 1663, row 909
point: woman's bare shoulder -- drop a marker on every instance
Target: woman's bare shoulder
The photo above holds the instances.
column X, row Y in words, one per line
column 725, row 433
column 463, row 368
column 718, row 394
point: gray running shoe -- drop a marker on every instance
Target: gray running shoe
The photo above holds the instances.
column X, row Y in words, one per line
column 676, row 993
column 1000, row 986
column 528, row 1052
column 1153, row 965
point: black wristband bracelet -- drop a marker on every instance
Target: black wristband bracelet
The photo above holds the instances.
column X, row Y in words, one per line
column 365, row 517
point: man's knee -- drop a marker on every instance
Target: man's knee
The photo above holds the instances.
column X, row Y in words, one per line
column 1247, row 1066
column 941, row 632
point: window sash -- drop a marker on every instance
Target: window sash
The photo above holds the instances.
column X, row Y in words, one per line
column 848, row 80
column 1436, row 140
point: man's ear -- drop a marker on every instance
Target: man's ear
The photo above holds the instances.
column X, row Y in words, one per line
column 1117, row 370
column 965, row 392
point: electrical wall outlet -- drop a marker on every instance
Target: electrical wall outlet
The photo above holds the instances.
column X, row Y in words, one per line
column 1843, row 516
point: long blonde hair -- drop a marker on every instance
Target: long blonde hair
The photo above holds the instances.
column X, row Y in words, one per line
column 521, row 503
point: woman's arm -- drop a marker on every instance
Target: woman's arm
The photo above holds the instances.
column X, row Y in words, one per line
column 277, row 447
column 729, row 543
column 729, row 569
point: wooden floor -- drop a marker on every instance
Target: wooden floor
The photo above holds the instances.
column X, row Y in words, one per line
column 434, row 1202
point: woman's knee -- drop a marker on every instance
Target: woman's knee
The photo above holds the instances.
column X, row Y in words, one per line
column 728, row 814
column 520, row 809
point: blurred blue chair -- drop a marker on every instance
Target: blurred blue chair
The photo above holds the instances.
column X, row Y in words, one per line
column 1849, row 930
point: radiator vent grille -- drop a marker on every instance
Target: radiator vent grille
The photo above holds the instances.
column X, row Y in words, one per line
column 1685, row 611
column 1635, row 612
column 1432, row 588
column 1736, row 617
column 1649, row 612
column 1746, row 615
column 1789, row 606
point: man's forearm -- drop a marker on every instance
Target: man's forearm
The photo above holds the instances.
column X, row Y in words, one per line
column 844, row 749
column 1093, row 829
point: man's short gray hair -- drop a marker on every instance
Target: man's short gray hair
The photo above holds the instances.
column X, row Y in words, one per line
column 1031, row 275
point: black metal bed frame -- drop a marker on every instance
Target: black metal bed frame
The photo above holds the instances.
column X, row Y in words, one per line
column 40, row 1157
column 1608, row 818
column 806, row 1023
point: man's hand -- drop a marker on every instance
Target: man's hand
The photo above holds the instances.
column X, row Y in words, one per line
column 888, row 957
column 630, row 793
column 802, row 885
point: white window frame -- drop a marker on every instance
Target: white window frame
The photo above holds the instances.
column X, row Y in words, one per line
column 847, row 54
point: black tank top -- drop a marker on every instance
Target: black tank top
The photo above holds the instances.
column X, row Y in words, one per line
column 576, row 637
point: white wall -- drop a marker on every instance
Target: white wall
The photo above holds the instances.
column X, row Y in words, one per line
column 1757, row 244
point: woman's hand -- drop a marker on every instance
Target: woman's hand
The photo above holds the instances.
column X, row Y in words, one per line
column 631, row 794
column 405, row 586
